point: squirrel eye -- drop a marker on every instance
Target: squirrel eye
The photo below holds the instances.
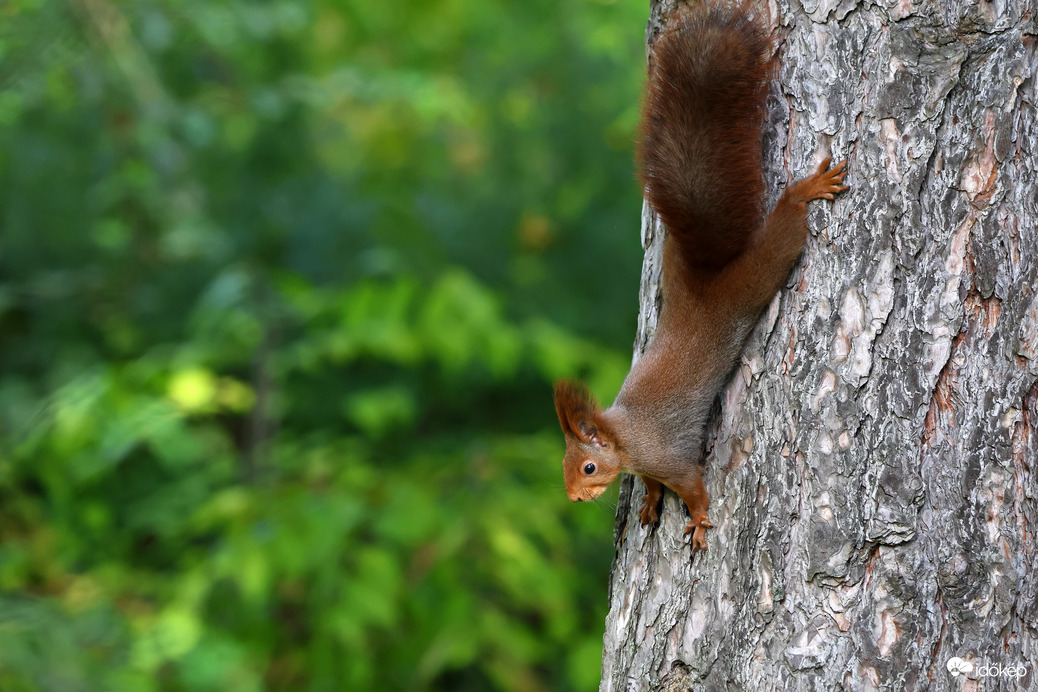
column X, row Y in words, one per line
column 589, row 468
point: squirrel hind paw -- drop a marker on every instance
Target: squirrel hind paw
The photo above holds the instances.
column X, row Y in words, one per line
column 826, row 182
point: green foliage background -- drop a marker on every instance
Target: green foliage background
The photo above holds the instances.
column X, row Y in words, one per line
column 283, row 289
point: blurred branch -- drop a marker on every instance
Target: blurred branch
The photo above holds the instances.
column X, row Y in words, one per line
column 111, row 27
column 260, row 425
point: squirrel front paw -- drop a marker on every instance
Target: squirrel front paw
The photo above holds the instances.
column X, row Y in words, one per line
column 647, row 513
column 697, row 527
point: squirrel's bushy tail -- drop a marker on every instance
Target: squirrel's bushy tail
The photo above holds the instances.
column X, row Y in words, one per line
column 699, row 152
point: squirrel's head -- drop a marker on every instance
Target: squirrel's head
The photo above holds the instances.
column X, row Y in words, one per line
column 592, row 458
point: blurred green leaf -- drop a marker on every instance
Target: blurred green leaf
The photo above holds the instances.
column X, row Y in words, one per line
column 283, row 290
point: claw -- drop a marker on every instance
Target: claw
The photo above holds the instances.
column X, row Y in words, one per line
column 698, row 527
column 647, row 513
column 825, row 183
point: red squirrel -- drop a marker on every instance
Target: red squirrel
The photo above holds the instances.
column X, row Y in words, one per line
column 699, row 159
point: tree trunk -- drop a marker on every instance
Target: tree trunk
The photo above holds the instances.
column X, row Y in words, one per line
column 871, row 467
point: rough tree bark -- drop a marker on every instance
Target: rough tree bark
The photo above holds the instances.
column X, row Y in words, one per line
column 871, row 466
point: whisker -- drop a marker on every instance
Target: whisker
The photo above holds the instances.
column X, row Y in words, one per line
column 600, row 501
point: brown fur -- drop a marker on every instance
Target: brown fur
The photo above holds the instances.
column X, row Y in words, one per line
column 703, row 113
column 700, row 157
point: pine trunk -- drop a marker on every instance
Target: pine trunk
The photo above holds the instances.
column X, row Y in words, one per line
column 871, row 464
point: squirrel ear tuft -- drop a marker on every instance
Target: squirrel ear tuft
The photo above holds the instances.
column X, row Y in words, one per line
column 578, row 412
